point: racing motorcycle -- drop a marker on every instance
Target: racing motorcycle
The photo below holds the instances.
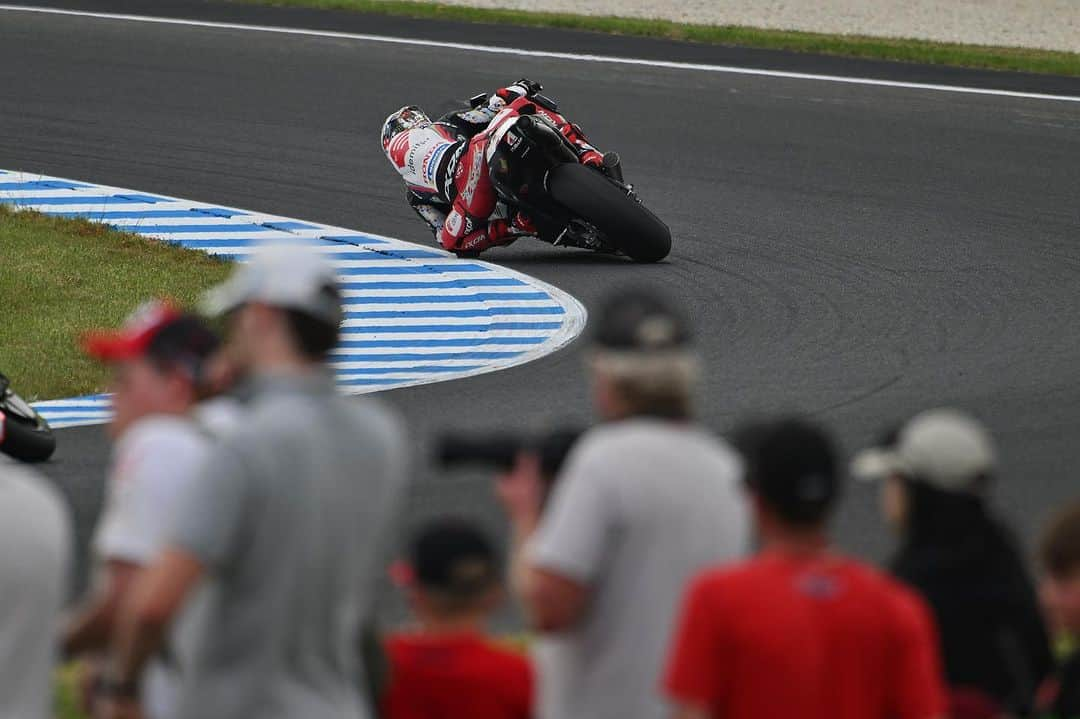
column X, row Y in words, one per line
column 24, row 434
column 535, row 170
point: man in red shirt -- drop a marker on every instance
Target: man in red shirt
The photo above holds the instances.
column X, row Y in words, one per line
column 447, row 668
column 801, row 631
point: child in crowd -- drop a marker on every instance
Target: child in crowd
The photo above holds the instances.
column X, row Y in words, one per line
column 1059, row 554
column 447, row 667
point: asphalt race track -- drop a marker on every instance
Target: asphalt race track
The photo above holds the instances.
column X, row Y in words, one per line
column 852, row 252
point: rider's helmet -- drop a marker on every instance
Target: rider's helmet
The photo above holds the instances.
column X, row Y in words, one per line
column 407, row 118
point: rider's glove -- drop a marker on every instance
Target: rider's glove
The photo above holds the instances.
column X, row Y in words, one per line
column 506, row 95
column 531, row 87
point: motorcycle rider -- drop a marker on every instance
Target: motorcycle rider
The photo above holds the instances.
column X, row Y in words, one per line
column 445, row 169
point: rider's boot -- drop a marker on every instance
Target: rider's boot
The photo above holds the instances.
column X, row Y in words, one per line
column 499, row 234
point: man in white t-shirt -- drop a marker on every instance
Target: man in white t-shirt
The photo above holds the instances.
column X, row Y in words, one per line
column 35, row 558
column 157, row 360
column 644, row 501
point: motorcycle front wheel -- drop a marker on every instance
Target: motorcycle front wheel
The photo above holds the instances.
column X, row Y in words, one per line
column 627, row 224
column 24, row 434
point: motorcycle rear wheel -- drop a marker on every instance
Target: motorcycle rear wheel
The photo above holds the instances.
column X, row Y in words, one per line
column 626, row 223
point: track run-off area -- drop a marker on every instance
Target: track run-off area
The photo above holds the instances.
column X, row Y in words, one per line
column 855, row 241
column 412, row 314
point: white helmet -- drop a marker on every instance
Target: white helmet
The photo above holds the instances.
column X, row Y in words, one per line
column 407, row 118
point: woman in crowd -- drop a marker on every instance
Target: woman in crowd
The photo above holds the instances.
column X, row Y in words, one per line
column 937, row 470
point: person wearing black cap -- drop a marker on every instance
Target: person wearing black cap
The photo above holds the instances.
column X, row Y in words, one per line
column 446, row 667
column 157, row 362
column 644, row 500
column 801, row 631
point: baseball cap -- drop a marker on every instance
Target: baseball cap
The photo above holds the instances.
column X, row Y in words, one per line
column 159, row 330
column 943, row 447
column 287, row 275
column 455, row 557
column 791, row 466
column 638, row 320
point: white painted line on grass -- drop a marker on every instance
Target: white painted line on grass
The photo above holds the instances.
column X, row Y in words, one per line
column 495, row 50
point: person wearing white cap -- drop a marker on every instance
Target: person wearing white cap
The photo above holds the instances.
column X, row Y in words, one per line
column 936, row 472
column 284, row 523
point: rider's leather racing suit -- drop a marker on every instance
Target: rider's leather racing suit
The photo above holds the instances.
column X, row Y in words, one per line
column 445, row 169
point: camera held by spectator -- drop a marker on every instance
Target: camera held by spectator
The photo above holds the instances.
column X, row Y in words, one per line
column 510, row 454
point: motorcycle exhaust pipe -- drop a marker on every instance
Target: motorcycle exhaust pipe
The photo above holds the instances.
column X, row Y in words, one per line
column 613, row 166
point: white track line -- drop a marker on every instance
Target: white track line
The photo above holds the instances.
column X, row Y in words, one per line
column 548, row 54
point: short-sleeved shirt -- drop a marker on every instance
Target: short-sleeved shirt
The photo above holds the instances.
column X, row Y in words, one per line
column 152, row 464
column 288, row 518
column 641, row 506
column 813, row 637
column 450, row 677
column 35, row 558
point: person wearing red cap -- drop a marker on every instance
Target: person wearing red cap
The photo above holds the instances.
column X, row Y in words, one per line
column 157, row 363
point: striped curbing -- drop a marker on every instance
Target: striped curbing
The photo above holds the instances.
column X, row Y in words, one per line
column 413, row 314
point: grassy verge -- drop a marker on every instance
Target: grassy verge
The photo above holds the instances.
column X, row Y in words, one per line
column 66, row 688
column 60, row 277
column 903, row 50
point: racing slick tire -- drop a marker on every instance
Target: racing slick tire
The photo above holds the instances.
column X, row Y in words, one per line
column 626, row 223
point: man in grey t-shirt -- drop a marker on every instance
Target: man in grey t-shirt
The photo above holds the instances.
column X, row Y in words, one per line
column 285, row 521
column 644, row 501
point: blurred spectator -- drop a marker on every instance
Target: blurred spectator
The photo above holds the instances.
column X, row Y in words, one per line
column 157, row 361
column 285, row 520
column 447, row 668
column 801, row 631
column 936, row 471
column 220, row 407
column 643, row 502
column 1059, row 555
column 35, row 558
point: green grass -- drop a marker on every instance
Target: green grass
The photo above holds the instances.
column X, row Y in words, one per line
column 903, row 50
column 60, row 277
column 66, row 688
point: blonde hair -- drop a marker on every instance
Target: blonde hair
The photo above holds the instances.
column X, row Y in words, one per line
column 651, row 383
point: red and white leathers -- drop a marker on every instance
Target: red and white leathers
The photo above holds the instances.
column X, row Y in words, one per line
column 447, row 179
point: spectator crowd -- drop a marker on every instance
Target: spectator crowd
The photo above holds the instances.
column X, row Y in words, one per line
column 662, row 571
